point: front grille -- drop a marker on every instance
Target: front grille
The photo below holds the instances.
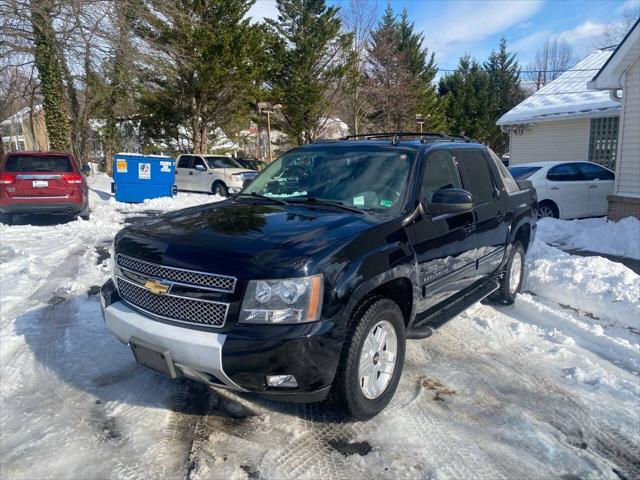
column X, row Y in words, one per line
column 198, row 312
column 210, row 281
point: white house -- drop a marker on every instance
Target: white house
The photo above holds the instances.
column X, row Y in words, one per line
column 565, row 120
column 621, row 72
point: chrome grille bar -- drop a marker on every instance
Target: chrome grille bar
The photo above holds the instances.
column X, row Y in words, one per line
column 179, row 276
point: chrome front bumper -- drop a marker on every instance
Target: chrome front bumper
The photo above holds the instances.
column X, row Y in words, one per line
column 196, row 354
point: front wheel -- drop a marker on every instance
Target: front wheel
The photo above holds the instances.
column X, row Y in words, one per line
column 372, row 359
column 220, row 189
column 511, row 277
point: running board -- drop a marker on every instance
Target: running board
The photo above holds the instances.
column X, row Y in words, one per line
column 427, row 325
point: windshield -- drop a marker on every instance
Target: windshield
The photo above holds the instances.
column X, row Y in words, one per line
column 365, row 179
column 222, row 162
column 522, row 173
column 28, row 163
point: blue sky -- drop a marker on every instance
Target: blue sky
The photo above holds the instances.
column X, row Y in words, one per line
column 453, row 28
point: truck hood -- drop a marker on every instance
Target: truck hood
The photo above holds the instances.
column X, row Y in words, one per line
column 245, row 240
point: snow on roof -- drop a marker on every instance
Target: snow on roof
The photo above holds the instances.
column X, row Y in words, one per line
column 21, row 115
column 567, row 96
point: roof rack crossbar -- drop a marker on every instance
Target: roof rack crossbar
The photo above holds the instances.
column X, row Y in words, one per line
column 395, row 136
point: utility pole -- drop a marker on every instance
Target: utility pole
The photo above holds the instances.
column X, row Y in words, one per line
column 267, row 109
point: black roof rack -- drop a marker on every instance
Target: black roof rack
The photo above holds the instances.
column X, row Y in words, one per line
column 423, row 136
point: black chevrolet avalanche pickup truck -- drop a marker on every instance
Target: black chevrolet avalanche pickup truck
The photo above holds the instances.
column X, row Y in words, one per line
column 307, row 284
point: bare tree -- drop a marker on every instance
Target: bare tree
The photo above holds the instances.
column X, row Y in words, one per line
column 552, row 60
column 616, row 30
column 358, row 18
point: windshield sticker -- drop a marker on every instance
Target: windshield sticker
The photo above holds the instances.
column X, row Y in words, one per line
column 121, row 166
column 386, row 203
column 144, row 171
column 358, row 201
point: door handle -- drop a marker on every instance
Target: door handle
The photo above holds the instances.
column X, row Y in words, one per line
column 554, row 188
column 593, row 186
column 190, row 173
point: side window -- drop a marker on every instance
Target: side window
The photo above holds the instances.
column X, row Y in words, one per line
column 591, row 171
column 440, row 172
column 566, row 172
column 198, row 161
column 183, row 162
column 476, row 175
column 509, row 183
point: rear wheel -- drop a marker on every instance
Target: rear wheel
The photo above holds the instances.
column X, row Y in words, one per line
column 372, row 359
column 548, row 209
column 219, row 188
column 511, row 277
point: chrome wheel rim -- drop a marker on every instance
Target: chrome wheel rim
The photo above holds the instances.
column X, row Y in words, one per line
column 377, row 359
column 515, row 273
column 545, row 212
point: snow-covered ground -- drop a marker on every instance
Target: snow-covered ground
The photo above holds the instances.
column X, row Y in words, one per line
column 547, row 388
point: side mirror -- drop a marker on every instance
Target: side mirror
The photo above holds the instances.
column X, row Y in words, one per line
column 200, row 168
column 450, row 201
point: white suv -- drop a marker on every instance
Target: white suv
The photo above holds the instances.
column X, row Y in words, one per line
column 211, row 173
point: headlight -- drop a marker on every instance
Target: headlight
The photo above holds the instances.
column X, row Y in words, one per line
column 292, row 300
column 236, row 179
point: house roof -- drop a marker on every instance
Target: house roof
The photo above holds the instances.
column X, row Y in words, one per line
column 611, row 75
column 567, row 96
column 21, row 115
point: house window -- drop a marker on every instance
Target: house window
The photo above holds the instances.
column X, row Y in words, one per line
column 603, row 141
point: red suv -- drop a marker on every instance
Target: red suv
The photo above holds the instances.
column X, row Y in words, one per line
column 42, row 182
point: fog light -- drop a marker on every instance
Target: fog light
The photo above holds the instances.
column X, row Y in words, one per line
column 282, row 381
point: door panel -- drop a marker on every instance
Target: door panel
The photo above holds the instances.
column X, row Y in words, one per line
column 600, row 182
column 490, row 217
column 183, row 167
column 568, row 189
column 199, row 179
column 444, row 245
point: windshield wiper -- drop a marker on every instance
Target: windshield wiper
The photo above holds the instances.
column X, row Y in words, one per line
column 332, row 203
column 264, row 197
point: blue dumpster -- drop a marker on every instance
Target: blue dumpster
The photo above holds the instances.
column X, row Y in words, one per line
column 139, row 177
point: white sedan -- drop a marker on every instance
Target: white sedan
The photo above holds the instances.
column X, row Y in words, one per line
column 568, row 189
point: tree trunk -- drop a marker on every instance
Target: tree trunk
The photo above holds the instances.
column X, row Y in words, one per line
column 49, row 71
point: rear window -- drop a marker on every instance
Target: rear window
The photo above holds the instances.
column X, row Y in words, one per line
column 28, row 163
column 522, row 173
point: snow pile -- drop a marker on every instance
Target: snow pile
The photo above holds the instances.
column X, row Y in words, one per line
column 599, row 235
column 594, row 285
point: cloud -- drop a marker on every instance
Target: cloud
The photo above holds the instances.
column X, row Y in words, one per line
column 585, row 31
column 263, row 9
column 581, row 38
column 470, row 21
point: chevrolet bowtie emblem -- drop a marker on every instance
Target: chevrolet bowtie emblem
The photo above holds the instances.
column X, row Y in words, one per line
column 156, row 287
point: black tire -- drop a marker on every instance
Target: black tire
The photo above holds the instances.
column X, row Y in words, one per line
column 548, row 209
column 507, row 292
column 347, row 392
column 219, row 188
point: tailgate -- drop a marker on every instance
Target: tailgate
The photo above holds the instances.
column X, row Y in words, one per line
column 41, row 185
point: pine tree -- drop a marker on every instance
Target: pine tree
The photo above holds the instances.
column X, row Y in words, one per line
column 506, row 91
column 312, row 56
column 401, row 76
column 49, row 68
column 209, row 59
column 466, row 96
